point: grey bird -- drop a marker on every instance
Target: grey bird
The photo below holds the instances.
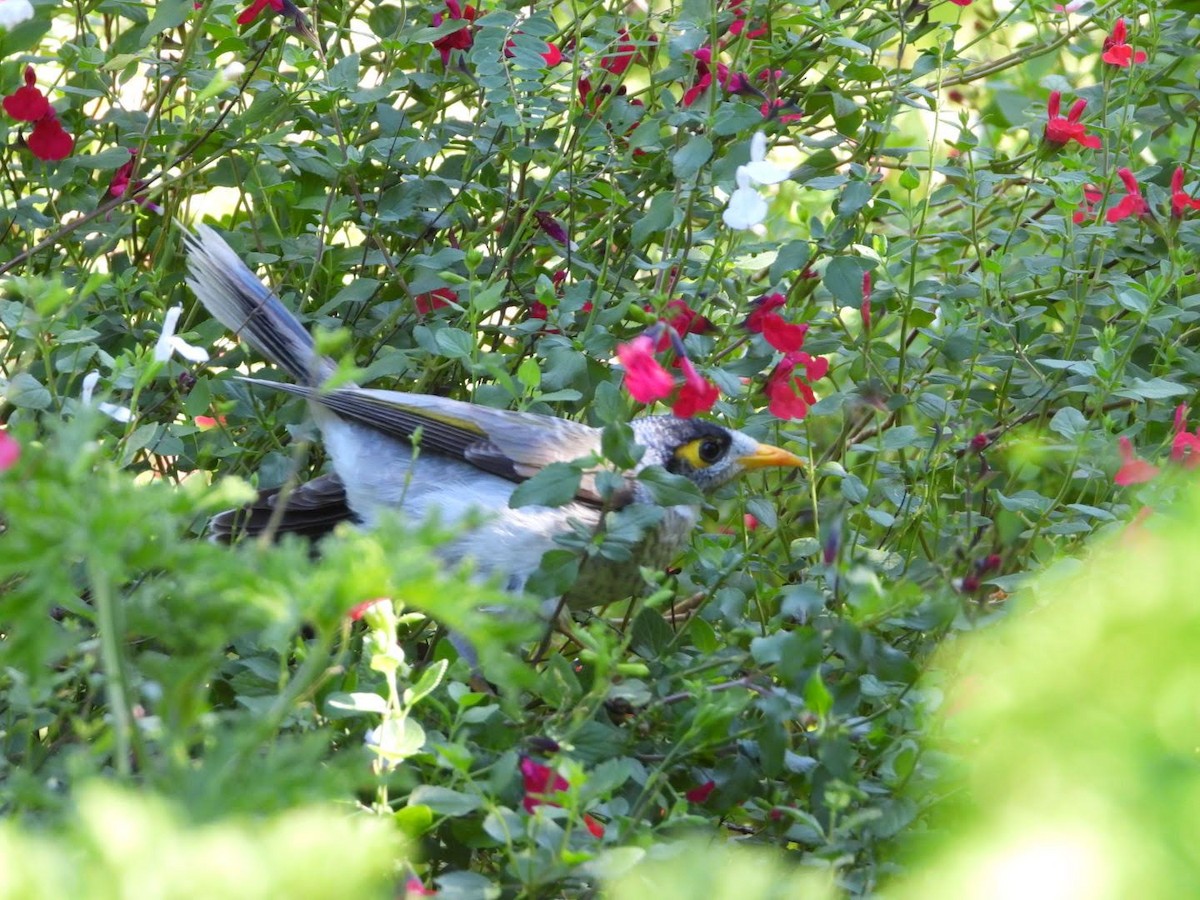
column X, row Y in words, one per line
column 471, row 458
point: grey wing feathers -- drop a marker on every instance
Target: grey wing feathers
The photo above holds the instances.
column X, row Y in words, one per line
column 242, row 303
column 311, row 510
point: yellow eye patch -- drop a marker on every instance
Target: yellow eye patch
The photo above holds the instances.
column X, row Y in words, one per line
column 701, row 453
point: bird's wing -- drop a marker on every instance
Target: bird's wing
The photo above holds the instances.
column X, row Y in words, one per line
column 513, row 445
column 311, row 509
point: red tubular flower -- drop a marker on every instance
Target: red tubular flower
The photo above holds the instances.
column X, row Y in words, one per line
column 552, row 55
column 1185, row 448
column 1132, row 470
column 790, row 394
column 541, row 781
column 779, row 333
column 414, row 887
column 697, row 395
column 865, row 309
column 439, row 299
column 252, row 12
column 553, row 228
column 49, row 141
column 460, row 39
column 1092, row 197
column 623, row 58
column 700, row 792
column 27, row 104
column 10, row 451
column 645, row 378
column 119, row 186
column 1181, row 202
column 961, row 2
column 743, row 25
column 1117, row 52
column 1133, row 203
column 1060, row 131
column 686, row 320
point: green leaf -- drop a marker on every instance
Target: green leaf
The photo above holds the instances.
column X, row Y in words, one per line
column 359, row 703
column 426, row 684
column 26, row 391
column 843, row 278
column 168, row 14
column 669, row 489
column 1069, row 422
column 691, row 157
column 554, row 485
column 443, row 800
column 659, row 216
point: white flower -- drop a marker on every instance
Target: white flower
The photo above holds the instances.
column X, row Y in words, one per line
column 746, row 207
column 14, row 12
column 234, row 71
column 758, row 168
column 169, row 343
column 120, row 413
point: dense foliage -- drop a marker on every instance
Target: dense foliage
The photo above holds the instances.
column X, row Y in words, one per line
column 945, row 251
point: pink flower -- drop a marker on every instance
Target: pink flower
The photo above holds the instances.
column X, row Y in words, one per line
column 206, row 422
column 685, row 320
column 865, row 309
column 27, row 104
column 1060, row 131
column 1181, row 202
column 360, row 609
column 790, row 394
column 252, row 12
column 1133, row 203
column 540, row 782
column 554, row 229
column 700, row 792
column 1117, row 52
column 1185, row 448
column 645, row 379
column 623, row 58
column 697, row 395
column 742, row 25
column 459, row 39
column 437, row 299
column 414, row 887
column 119, row 186
column 1132, row 470
column 10, row 451
column 961, row 2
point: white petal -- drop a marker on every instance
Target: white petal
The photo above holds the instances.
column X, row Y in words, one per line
column 89, row 387
column 745, row 210
column 14, row 12
column 767, row 173
column 190, row 352
column 742, row 177
column 162, row 350
column 758, row 147
column 121, row 413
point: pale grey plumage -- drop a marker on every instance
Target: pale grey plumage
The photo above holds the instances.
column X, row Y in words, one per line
column 470, row 458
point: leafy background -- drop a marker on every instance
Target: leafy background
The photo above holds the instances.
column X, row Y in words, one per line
column 769, row 692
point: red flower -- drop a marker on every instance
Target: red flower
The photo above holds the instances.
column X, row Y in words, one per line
column 540, row 781
column 10, row 451
column 779, row 333
column 414, row 887
column 623, row 58
column 697, row 395
column 1133, row 470
column 538, row 310
column 686, row 320
column 251, row 12
column 28, row 104
column 460, row 39
column 553, row 229
column 790, row 394
column 360, row 609
column 206, row 422
column 439, row 299
column 961, row 2
column 1181, row 202
column 49, row 141
column 742, row 25
column 1091, row 198
column 552, row 55
column 1185, row 448
column 645, row 379
column 1119, row 53
column 1060, row 131
column 119, row 186
column 1133, row 203
column 700, row 792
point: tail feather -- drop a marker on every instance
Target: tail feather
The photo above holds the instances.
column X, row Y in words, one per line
column 236, row 297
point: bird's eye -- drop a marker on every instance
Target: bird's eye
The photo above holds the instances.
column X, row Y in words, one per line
column 710, row 450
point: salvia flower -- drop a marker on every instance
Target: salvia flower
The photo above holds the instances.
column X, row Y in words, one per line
column 697, row 395
column 1181, row 201
column 461, row 38
column 554, row 229
column 435, row 299
column 865, row 309
column 1092, row 197
column 701, row 792
column 790, row 393
column 1185, row 447
column 299, row 24
column 1132, row 470
column 1061, row 131
column 541, row 782
column 684, row 319
column 10, row 451
column 747, row 208
column 27, row 103
column 122, row 414
column 645, row 378
column 48, row 141
column 14, row 12
column 1117, row 51
column 120, row 187
column 781, row 334
column 743, row 25
column 1133, row 203
column 169, row 343
column 622, row 58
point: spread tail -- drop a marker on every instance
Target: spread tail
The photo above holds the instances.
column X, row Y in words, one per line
column 236, row 297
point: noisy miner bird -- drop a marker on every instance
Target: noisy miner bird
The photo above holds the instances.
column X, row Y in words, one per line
column 471, row 458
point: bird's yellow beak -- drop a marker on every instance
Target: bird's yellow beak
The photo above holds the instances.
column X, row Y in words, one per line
column 766, row 455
